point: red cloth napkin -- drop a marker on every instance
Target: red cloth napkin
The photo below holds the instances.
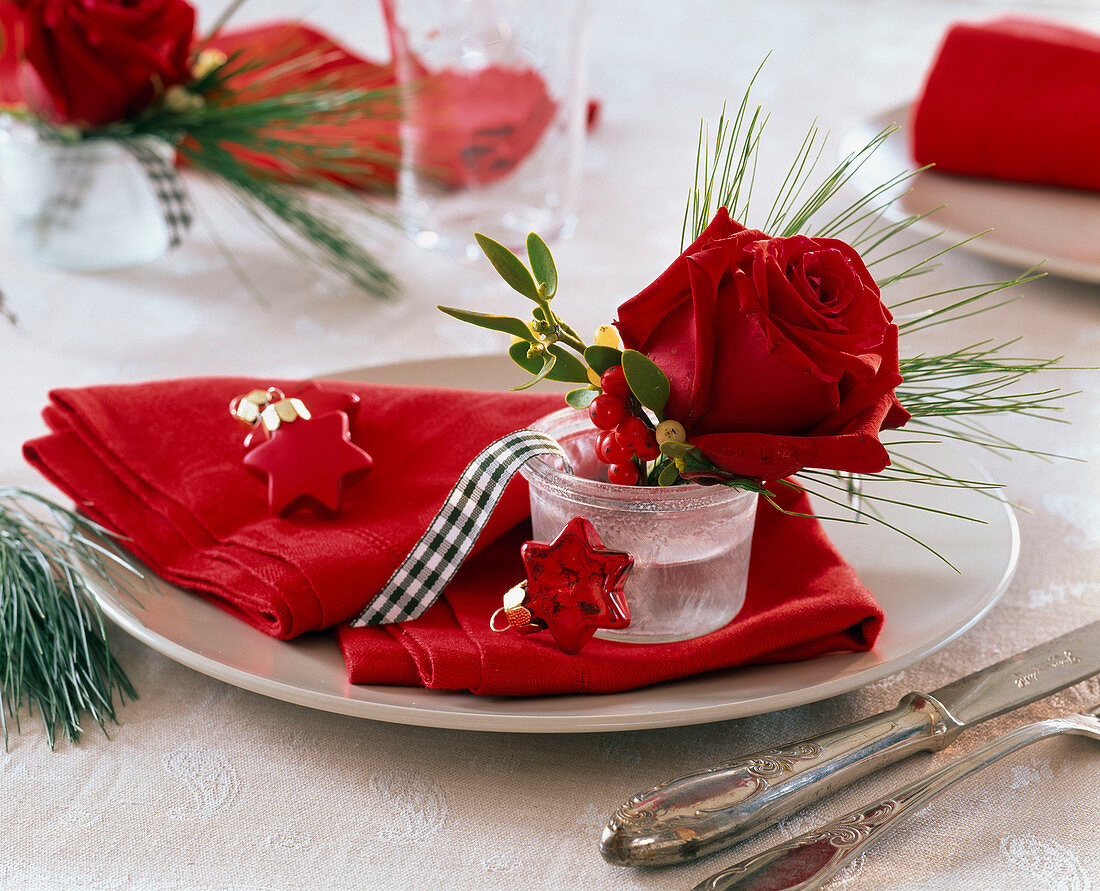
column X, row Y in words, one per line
column 161, row 463
column 1014, row 99
column 795, row 609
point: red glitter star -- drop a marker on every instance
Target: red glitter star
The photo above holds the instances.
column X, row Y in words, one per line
column 575, row 585
column 306, row 463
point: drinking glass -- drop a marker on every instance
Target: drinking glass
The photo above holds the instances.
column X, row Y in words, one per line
column 493, row 117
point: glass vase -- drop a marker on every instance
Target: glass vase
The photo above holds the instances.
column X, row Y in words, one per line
column 85, row 206
column 690, row 543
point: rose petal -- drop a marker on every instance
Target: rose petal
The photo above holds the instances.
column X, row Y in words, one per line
column 639, row 315
column 769, row 457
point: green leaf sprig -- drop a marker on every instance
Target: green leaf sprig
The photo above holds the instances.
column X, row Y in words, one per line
column 545, row 347
column 549, row 349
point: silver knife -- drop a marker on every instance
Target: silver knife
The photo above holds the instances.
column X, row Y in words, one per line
column 711, row 809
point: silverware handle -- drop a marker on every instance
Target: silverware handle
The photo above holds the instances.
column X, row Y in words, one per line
column 710, row 809
column 812, row 859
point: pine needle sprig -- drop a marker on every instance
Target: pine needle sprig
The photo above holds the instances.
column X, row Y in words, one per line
column 863, row 514
column 950, row 395
column 966, row 307
column 720, row 178
column 55, row 659
column 267, row 133
column 283, row 212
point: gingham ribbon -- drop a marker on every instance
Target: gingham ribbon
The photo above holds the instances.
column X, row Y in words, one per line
column 417, row 583
column 171, row 193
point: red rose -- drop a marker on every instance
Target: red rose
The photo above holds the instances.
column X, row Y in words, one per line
column 779, row 351
column 92, row 62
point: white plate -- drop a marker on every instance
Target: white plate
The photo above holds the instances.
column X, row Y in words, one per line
column 1030, row 223
column 926, row 605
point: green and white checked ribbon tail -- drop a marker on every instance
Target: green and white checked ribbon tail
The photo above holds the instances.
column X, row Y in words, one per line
column 171, row 193
column 417, row 583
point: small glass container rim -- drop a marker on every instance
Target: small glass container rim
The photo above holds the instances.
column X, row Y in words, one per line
column 24, row 135
column 540, row 473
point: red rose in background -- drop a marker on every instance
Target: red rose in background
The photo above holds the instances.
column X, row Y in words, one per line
column 91, row 62
column 779, row 351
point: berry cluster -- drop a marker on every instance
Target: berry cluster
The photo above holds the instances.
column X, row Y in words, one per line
column 625, row 441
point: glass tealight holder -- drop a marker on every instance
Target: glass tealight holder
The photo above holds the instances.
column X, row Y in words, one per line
column 690, row 543
column 85, row 206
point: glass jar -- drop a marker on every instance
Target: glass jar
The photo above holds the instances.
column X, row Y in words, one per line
column 690, row 543
column 85, row 205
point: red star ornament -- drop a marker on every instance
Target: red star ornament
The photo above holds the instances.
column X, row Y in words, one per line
column 307, row 463
column 575, row 585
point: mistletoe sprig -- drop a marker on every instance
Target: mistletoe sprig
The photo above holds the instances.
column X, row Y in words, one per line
column 549, row 349
column 546, row 347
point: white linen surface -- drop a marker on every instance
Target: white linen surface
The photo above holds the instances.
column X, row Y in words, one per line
column 207, row 786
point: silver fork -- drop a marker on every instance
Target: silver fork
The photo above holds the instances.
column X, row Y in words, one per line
column 812, row 859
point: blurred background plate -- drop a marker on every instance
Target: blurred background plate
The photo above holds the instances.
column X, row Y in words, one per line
column 1030, row 223
column 926, row 603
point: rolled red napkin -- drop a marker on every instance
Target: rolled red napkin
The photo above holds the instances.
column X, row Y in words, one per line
column 1014, row 99
column 162, row 464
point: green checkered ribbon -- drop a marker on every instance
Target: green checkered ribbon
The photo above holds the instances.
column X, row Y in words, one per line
column 171, row 193
column 417, row 583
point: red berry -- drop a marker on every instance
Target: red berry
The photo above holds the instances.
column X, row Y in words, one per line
column 613, row 382
column 608, row 449
column 632, row 433
column 606, row 411
column 649, row 451
column 623, row 474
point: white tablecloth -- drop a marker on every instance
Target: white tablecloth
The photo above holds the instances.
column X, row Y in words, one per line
column 204, row 785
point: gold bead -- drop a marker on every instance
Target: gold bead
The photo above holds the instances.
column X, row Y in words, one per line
column 182, row 100
column 286, row 411
column 270, row 417
column 208, row 60
column 671, row 431
column 514, row 596
column 247, row 411
column 607, row 336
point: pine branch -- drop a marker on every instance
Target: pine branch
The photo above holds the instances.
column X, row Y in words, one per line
column 948, row 395
column 265, row 130
column 55, row 658
column 283, row 212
